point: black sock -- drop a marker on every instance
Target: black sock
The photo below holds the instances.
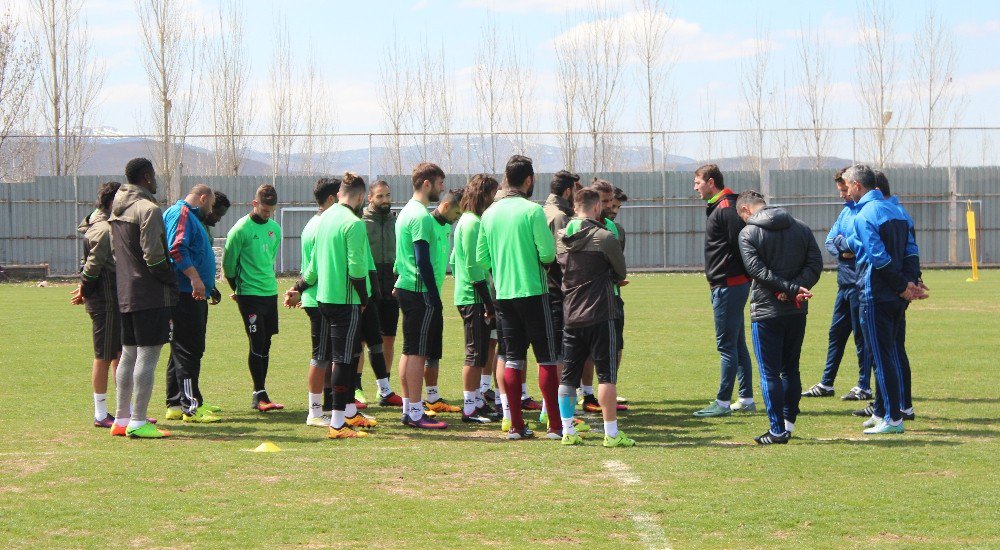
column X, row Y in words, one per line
column 258, row 371
column 327, row 399
column 357, row 381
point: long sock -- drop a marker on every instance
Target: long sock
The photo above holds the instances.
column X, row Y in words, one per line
column 588, row 390
column 377, row 360
column 315, row 405
column 406, row 405
column 123, row 384
column 257, row 371
column 504, row 405
column 567, row 408
column 498, row 397
column 351, row 410
column 327, row 399
column 468, row 402
column 432, row 394
column 416, row 410
column 484, row 383
column 144, row 376
column 357, row 381
column 524, row 390
column 480, row 402
column 611, row 428
column 100, row 406
column 383, row 386
column 512, row 382
column 337, row 419
column 548, row 382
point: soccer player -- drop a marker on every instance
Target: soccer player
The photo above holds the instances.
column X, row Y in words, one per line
column 616, row 205
column 248, row 264
column 417, row 291
column 219, row 209
column 340, row 269
column 193, row 260
column 781, row 256
column 888, row 270
column 730, row 290
column 380, row 222
column 515, row 243
column 592, row 262
column 558, row 210
column 147, row 291
column 447, row 212
column 472, row 297
column 97, row 291
column 845, row 308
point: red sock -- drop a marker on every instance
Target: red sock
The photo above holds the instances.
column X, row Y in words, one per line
column 548, row 382
column 512, row 387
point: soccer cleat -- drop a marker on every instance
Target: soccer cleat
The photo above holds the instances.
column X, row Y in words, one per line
column 344, row 432
column 818, row 391
column 554, row 435
column 871, row 422
column 201, row 417
column 106, row 422
column 425, row 423
column 857, row 394
column 146, row 431
column 490, row 396
column 475, row 418
column 441, row 406
column 621, row 407
column 361, row 421
column 580, row 426
column 360, row 406
column 770, row 439
column 488, row 412
column 622, row 400
column 318, row 421
column 359, row 396
column 572, row 439
column 713, row 409
column 391, row 400
column 151, row 420
column 590, row 403
column 118, row 430
column 543, row 418
column 174, row 413
column 867, row 411
column 261, row 402
column 505, row 425
column 909, row 415
column 745, row 408
column 529, row 404
column 523, row 433
column 620, row 440
column 211, row 408
column 883, row 427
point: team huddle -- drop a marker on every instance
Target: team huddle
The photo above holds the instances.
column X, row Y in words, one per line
column 548, row 277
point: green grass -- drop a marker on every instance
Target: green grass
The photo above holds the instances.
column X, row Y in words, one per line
column 702, row 482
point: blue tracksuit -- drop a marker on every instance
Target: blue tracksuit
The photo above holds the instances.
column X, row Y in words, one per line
column 189, row 244
column 887, row 259
column 845, row 306
column 904, row 360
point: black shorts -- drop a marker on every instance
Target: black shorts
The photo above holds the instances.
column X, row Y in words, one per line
column 345, row 331
column 501, row 346
column 388, row 315
column 477, row 334
column 556, row 307
column 149, row 327
column 423, row 324
column 107, row 328
column 620, row 327
column 528, row 321
column 319, row 331
column 598, row 341
column 260, row 314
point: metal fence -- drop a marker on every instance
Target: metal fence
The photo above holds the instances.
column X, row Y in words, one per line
column 664, row 222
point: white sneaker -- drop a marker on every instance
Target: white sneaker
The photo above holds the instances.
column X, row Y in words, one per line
column 318, row 421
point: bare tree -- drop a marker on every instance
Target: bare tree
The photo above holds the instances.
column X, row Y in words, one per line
column 285, row 108
column 424, row 87
column 490, row 80
column 318, row 118
column 878, row 78
column 708, row 123
column 394, row 97
column 935, row 60
column 568, row 96
column 755, row 90
column 232, row 98
column 780, row 97
column 522, row 96
column 604, row 54
column 650, row 45
column 71, row 80
column 172, row 53
column 444, row 108
column 18, row 65
column 814, row 88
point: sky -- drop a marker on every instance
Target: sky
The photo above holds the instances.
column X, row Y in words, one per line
column 710, row 40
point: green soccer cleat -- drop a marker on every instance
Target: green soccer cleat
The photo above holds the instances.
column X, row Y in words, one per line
column 620, row 440
column 743, row 408
column 174, row 413
column 208, row 407
column 147, row 431
column 713, row 409
column 359, row 396
column 580, row 425
column 572, row 439
column 884, row 427
column 318, row 421
column 201, row 417
column 505, row 425
column 543, row 419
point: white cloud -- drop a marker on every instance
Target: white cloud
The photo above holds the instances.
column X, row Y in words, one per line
column 535, row 6
column 980, row 82
column 978, row 29
column 420, row 5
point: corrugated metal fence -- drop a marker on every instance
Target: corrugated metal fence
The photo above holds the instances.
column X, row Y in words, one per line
column 663, row 220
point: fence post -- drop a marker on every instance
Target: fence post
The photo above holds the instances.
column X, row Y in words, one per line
column 76, row 218
column 468, row 154
column 952, row 204
column 371, row 176
column 663, row 197
column 854, row 145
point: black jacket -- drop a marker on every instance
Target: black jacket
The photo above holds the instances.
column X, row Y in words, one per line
column 781, row 255
column 723, row 266
column 558, row 212
column 592, row 262
column 381, row 228
column 145, row 279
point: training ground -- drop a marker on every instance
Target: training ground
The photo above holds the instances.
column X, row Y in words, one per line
column 689, row 483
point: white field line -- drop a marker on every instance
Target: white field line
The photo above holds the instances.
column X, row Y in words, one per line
column 645, row 525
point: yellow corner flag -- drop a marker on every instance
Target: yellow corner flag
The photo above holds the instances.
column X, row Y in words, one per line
column 267, row 447
column 970, row 222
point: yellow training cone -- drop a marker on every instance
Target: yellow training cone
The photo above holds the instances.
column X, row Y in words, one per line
column 267, row 447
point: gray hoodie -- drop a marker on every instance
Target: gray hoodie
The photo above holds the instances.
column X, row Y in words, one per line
column 592, row 262
column 145, row 277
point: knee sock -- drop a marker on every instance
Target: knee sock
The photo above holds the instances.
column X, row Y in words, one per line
column 357, row 381
column 548, row 383
column 258, row 371
column 123, row 383
column 342, row 377
column 512, row 383
column 377, row 360
column 567, row 408
column 144, row 375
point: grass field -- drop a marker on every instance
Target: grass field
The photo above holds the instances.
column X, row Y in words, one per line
column 689, row 483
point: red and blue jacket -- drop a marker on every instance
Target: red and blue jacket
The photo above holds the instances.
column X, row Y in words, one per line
column 189, row 244
column 887, row 254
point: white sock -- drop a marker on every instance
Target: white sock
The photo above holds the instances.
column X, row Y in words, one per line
column 587, row 390
column 498, row 397
column 568, row 427
column 406, row 405
column 133, row 424
column 480, row 402
column 543, row 411
column 432, row 393
column 505, row 405
column 896, row 422
column 484, row 383
column 100, row 406
column 383, row 387
column 611, row 428
column 468, row 402
column 337, row 419
column 723, row 404
column 351, row 410
column 315, row 405
column 416, row 410
column 905, row 411
column 524, row 391
column 746, row 400
column 789, row 427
